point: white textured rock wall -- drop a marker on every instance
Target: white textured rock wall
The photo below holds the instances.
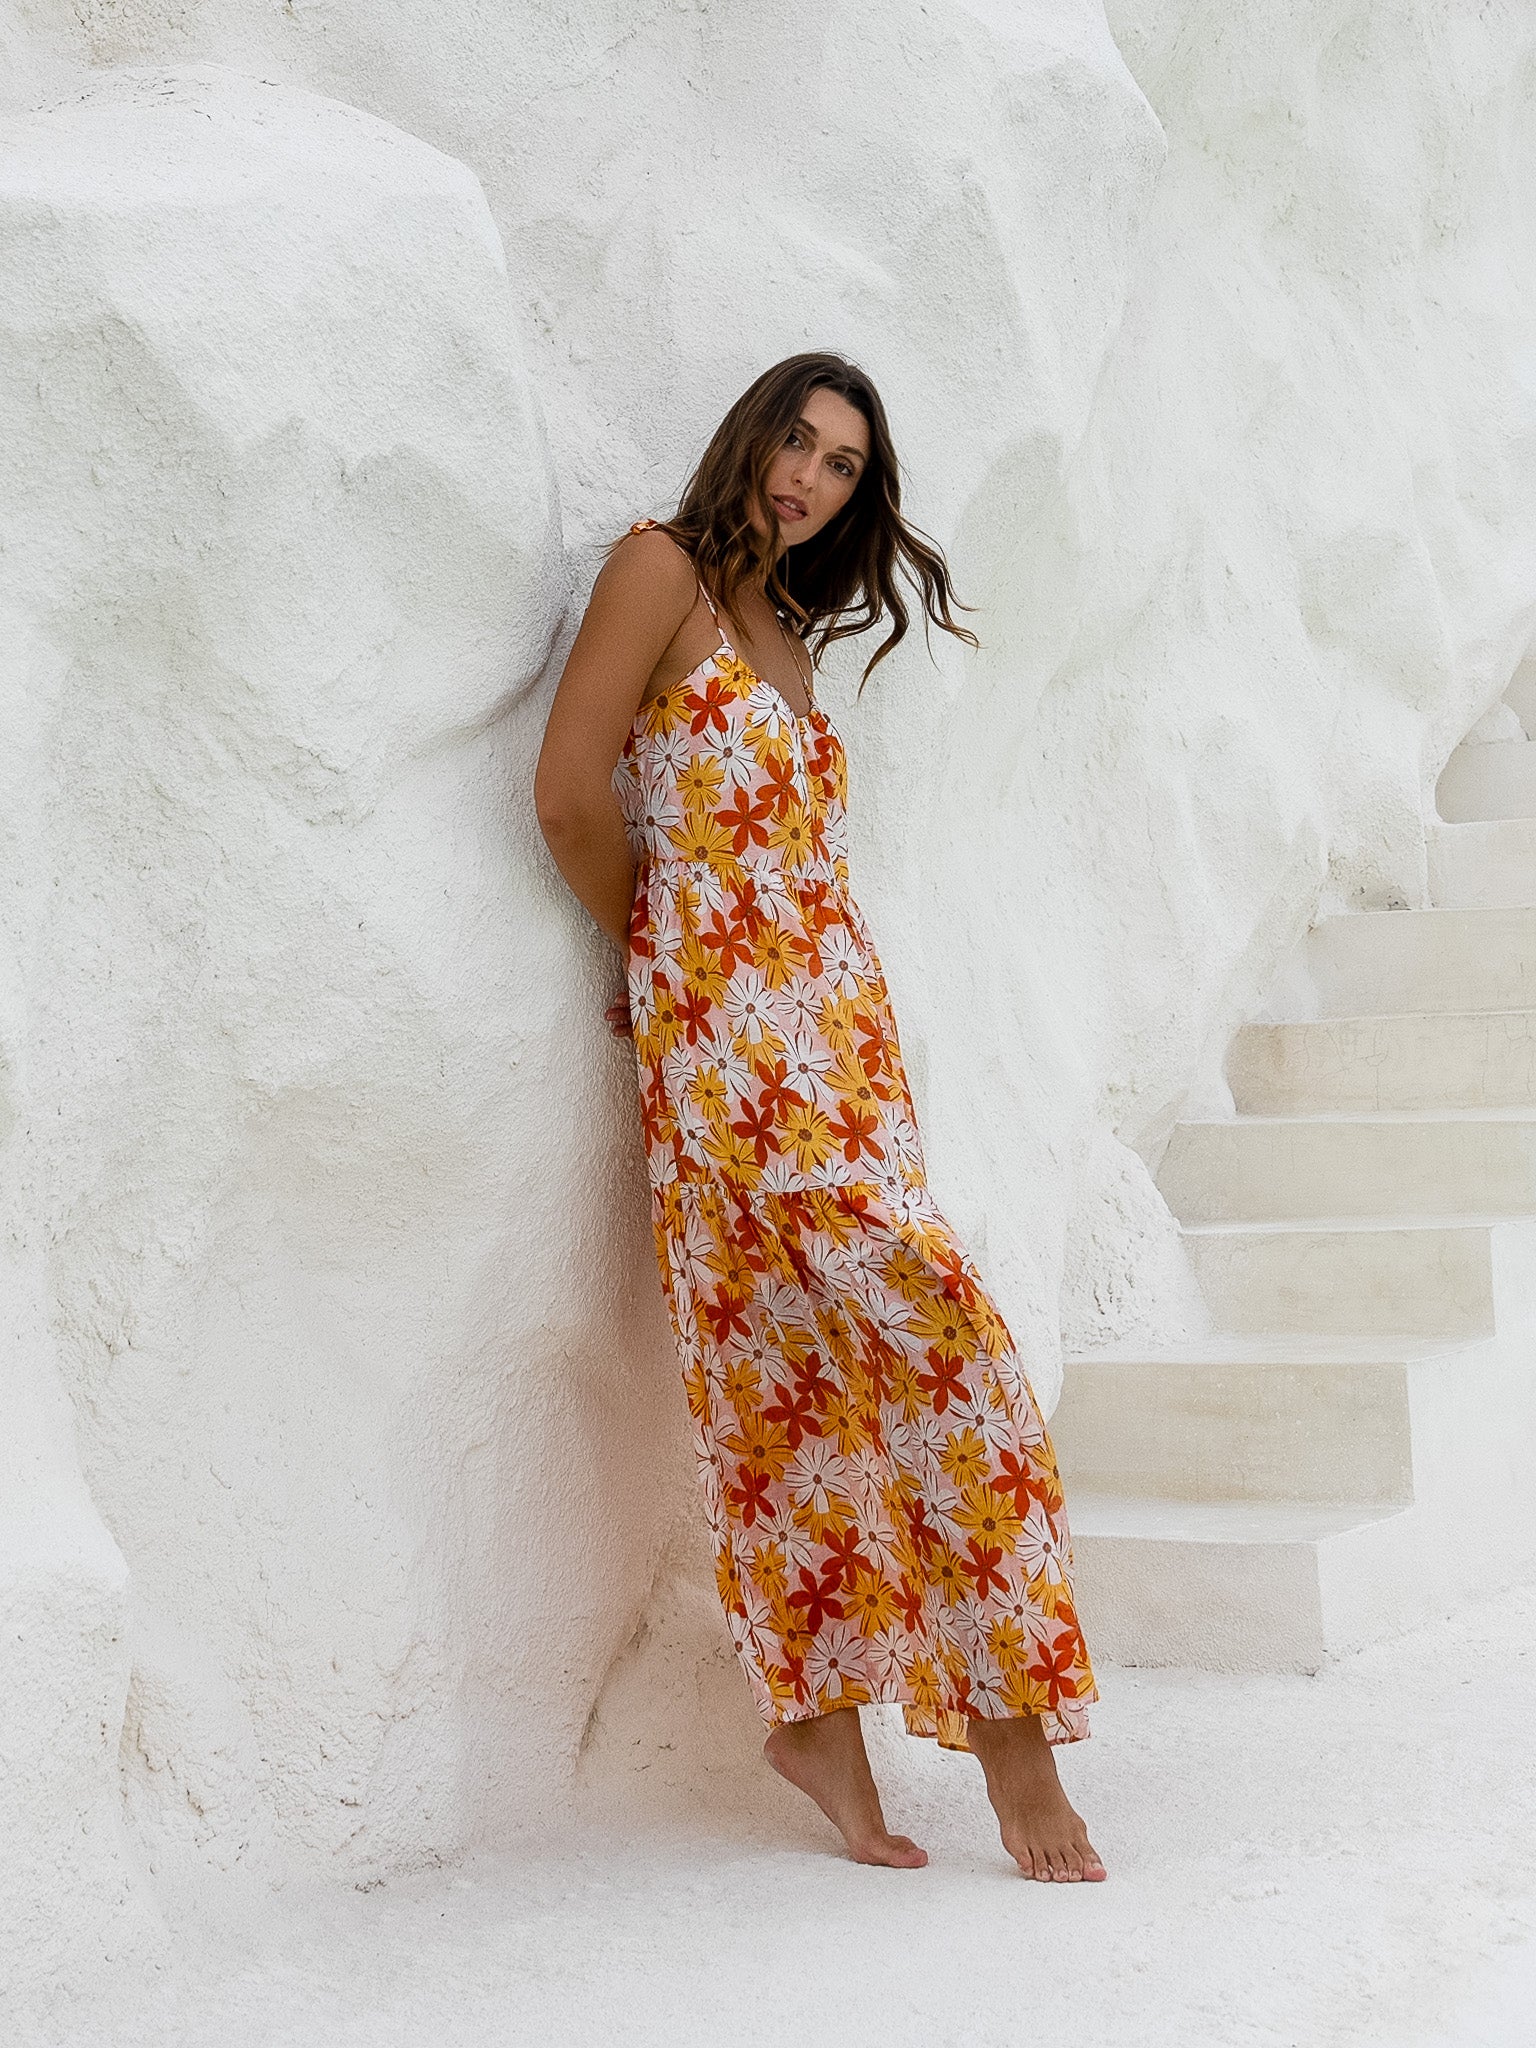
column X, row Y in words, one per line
column 301, row 1156
column 1207, row 339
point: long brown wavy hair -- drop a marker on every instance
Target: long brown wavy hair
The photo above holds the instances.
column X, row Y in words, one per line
column 842, row 581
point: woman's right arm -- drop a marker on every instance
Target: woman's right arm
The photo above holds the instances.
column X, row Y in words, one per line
column 643, row 593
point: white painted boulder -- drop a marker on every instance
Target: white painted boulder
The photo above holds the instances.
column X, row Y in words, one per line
column 298, row 1136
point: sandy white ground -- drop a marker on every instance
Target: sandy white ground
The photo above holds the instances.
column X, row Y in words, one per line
column 1300, row 1861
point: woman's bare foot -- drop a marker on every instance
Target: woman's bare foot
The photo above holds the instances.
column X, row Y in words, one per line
column 825, row 1758
column 1041, row 1829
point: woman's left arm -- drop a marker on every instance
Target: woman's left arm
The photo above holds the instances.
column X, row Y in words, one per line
column 642, row 593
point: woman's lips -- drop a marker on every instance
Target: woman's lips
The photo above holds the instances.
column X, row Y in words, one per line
column 789, row 508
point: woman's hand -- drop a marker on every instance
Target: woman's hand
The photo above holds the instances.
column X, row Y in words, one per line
column 618, row 1018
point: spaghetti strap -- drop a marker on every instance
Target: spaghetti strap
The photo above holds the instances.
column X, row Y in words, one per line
column 641, row 526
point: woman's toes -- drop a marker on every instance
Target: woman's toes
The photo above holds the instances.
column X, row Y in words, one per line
column 896, row 1852
column 1071, row 1863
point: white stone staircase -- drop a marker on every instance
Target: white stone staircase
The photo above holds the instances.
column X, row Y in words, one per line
column 1356, row 1452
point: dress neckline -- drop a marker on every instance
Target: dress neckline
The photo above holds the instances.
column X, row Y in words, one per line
column 760, row 683
column 725, row 647
column 800, row 717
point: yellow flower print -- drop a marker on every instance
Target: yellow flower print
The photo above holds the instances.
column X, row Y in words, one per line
column 839, row 1344
column 708, row 1093
column 732, row 1267
column 1008, row 1643
column 735, row 674
column 795, row 1631
column 854, row 1085
column 965, row 1456
column 833, row 1220
column 923, row 1678
column 837, row 1023
column 797, row 1344
column 869, row 1601
column 734, row 1153
column 776, row 958
column 907, row 1273
column 845, row 1423
column 808, row 1136
column 1052, row 1596
column 666, row 1026
column 728, row 1578
column 906, row 1389
column 988, row 1515
column 1022, row 1694
column 696, row 1387
column 703, row 838
column 761, row 1445
column 703, row 974
column 791, row 838
column 862, row 1383
column 769, row 1571
column 996, row 1338
column 945, row 1571
column 699, row 785
column 742, row 1384
column 939, row 1324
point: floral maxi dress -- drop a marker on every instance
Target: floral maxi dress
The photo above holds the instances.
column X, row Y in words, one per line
column 881, row 1491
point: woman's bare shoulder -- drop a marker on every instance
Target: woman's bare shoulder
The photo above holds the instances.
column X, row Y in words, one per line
column 644, row 590
column 646, row 557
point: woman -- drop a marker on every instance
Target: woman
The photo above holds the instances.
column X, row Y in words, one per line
column 882, row 1494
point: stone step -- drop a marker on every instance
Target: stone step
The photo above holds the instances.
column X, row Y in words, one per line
column 1225, row 1586
column 1281, row 1585
column 1258, row 1417
column 1258, row 1168
column 1488, row 865
column 1426, row 1060
column 1373, row 963
column 1495, row 779
column 1351, row 1454
column 1454, row 1276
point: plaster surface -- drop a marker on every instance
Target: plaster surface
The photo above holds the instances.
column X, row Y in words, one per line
column 350, row 1461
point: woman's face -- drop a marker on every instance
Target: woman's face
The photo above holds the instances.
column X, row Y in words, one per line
column 813, row 475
